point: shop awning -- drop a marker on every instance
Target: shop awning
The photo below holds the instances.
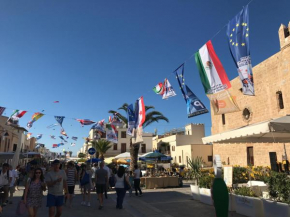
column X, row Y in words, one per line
column 274, row 130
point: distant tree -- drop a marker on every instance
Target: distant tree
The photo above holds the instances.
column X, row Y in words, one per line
column 101, row 146
column 81, row 155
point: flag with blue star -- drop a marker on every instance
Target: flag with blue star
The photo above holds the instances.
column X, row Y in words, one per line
column 179, row 72
column 131, row 119
column 194, row 105
column 238, row 39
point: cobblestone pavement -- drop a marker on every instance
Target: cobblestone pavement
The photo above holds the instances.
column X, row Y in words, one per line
column 171, row 202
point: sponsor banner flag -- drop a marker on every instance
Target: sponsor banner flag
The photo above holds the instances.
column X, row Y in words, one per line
column 223, row 102
column 74, row 138
column 131, row 119
column 62, row 131
column 211, row 70
column 168, row 90
column 138, row 138
column 35, row 117
column 38, row 137
column 28, row 136
column 85, row 121
column 159, row 89
column 2, row 109
column 238, row 39
column 194, row 105
column 99, row 126
column 59, row 119
column 54, row 145
column 111, row 134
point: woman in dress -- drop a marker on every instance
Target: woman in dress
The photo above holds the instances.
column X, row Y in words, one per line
column 120, row 178
column 87, row 185
column 33, row 192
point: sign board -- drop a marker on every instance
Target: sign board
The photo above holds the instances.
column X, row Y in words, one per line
column 228, row 175
column 92, row 151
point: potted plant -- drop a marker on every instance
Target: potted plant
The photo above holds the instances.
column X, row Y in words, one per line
column 247, row 203
column 205, row 183
column 195, row 165
column 279, row 191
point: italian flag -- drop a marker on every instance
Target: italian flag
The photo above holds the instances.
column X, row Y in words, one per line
column 159, row 88
column 18, row 114
column 211, row 70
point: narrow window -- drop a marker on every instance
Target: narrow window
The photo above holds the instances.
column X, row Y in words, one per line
column 179, row 159
column 280, row 100
column 224, row 119
column 123, row 134
column 123, row 147
column 143, row 148
column 209, row 158
column 115, row 146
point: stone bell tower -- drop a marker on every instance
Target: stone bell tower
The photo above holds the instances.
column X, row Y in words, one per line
column 284, row 36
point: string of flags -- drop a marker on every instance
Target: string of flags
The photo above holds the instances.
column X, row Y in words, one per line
column 212, row 75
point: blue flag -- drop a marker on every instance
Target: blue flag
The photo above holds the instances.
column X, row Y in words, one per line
column 136, row 114
column 238, row 39
column 194, row 105
column 131, row 119
column 59, row 119
column 179, row 72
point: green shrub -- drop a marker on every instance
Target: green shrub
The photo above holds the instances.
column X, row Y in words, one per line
column 279, row 187
column 206, row 180
column 244, row 191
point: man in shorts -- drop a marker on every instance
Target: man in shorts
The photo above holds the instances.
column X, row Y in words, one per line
column 56, row 183
column 101, row 183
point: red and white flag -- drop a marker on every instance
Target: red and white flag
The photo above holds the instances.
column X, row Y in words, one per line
column 141, row 113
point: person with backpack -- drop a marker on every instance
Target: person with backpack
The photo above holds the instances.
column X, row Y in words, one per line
column 86, row 183
column 34, row 192
column 5, row 181
column 137, row 176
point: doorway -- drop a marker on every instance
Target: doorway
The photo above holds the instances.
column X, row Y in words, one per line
column 250, row 156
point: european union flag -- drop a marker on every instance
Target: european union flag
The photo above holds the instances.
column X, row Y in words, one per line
column 238, row 39
column 59, row 119
column 131, row 119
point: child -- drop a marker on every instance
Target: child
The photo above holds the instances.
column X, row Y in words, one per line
column 131, row 181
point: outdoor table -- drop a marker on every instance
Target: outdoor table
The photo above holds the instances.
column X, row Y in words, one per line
column 159, row 182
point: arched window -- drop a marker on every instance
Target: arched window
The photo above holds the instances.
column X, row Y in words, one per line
column 280, row 100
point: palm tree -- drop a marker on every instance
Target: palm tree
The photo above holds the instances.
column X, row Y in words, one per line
column 81, row 155
column 163, row 147
column 151, row 117
column 101, row 146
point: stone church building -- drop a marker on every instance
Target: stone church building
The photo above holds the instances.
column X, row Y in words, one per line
column 259, row 134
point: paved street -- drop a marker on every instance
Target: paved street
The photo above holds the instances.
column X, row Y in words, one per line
column 156, row 202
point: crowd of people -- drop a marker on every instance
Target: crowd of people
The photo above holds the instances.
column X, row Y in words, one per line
column 59, row 180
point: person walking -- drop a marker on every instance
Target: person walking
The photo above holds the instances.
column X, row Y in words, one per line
column 56, row 183
column 137, row 173
column 94, row 169
column 86, row 183
column 107, row 184
column 131, row 181
column 120, row 179
column 5, row 181
column 101, row 183
column 71, row 174
column 17, row 182
column 34, row 192
column 14, row 176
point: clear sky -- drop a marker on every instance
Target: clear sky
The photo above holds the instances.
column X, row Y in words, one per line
column 95, row 55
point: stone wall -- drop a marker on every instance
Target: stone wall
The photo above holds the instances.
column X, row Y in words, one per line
column 237, row 153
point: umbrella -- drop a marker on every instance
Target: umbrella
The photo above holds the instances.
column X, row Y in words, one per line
column 155, row 154
column 109, row 160
column 122, row 161
column 124, row 155
column 94, row 160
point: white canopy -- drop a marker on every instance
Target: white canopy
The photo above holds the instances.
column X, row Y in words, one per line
column 275, row 130
column 123, row 155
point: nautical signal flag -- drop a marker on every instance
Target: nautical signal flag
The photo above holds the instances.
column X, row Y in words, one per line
column 56, row 102
column 85, row 121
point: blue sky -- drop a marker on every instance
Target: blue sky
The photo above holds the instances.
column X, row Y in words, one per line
column 95, row 55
